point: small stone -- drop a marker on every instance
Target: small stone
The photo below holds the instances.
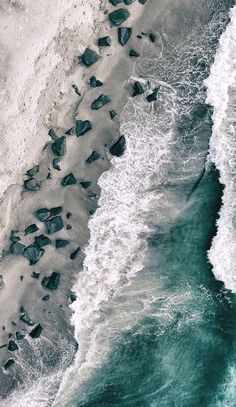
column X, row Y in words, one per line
column 42, row 240
column 54, row 225
column 45, row 298
column 113, row 114
column 68, row 215
column 13, row 323
column 49, row 176
column 68, row 227
column 21, row 278
column 12, row 346
column 10, row 362
column 32, row 184
column 152, row 37
column 59, row 146
column 35, row 275
column 124, row 34
column 68, row 180
column 85, row 184
column 34, row 170
column 93, row 157
column 82, row 127
column 100, row 101
column 137, row 89
column 17, row 248
column 104, row 41
column 94, row 83
column 19, row 336
column 75, row 253
column 36, row 332
column 134, row 53
column 72, row 298
column 33, row 253
column 142, row 1
column 76, row 89
column 139, row 36
column 56, row 165
column 52, row 134
column 27, row 320
column 89, row 57
column 119, row 147
column 61, row 243
column 153, row 96
column 31, row 229
column 115, row 2
column 128, row 2
column 51, row 282
column 69, row 132
column 117, row 17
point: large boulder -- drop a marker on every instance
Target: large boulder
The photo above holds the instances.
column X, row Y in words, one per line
column 43, row 214
column 12, row 346
column 51, row 282
column 128, row 2
column 134, row 53
column 142, row 1
column 68, row 180
column 153, row 96
column 94, row 82
column 118, row 17
column 89, row 57
column 59, row 146
column 17, row 248
column 33, row 253
column 36, row 332
column 34, row 170
column 54, row 225
column 32, row 184
column 25, row 318
column 104, row 41
column 119, row 147
column 61, row 243
column 137, row 89
column 31, row 229
column 19, row 336
column 100, row 101
column 124, row 34
column 85, row 184
column 10, row 362
column 82, row 127
column 42, row 240
column 93, row 157
column 115, row 2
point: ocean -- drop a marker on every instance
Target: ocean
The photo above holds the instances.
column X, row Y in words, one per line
column 155, row 311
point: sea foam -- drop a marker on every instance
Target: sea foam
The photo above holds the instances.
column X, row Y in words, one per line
column 222, row 96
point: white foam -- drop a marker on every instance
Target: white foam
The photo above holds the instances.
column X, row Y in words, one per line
column 222, row 96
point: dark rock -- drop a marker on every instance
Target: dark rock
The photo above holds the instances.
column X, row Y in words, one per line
column 13, row 237
column 75, row 254
column 61, row 243
column 115, row 2
column 104, row 42
column 12, row 346
column 76, row 89
column 49, row 176
column 68, row 227
column 68, row 215
column 153, row 96
column 137, row 89
column 72, row 298
column 35, row 275
column 117, row 17
column 3, row 346
column 124, row 34
column 51, row 282
column 89, row 57
column 59, row 146
column 19, row 336
column 45, row 298
column 10, row 362
column 128, row 2
column 85, row 184
column 112, row 114
column 54, row 225
column 22, row 309
column 52, row 134
column 92, row 194
column 32, row 184
column 95, row 82
column 134, row 53
column 142, row 1
column 31, row 229
column 36, row 332
column 17, row 248
column 27, row 320
column 139, row 36
column 43, row 214
column 100, row 101
column 82, row 127
column 33, row 253
column 56, row 165
column 34, row 170
column 119, row 147
column 42, row 240
column 152, row 37
column 56, row 210
column 21, row 278
column 93, row 157
column 13, row 323
column 69, row 132
column 68, row 180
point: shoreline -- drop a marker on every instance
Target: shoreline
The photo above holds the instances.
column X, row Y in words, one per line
column 28, row 292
